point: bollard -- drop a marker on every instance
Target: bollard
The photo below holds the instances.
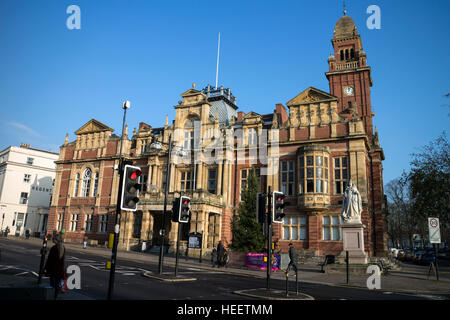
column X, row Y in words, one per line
column 296, row 281
column 287, row 283
column 346, row 263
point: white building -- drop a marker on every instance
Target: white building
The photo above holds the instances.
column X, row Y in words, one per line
column 26, row 185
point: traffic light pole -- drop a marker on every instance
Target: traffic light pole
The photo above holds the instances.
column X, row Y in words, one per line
column 178, row 249
column 178, row 243
column 117, row 218
column 269, row 237
column 166, row 191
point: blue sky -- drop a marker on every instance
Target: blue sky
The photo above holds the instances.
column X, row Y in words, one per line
column 53, row 80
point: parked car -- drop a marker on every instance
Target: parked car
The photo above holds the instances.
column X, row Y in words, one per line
column 394, row 252
column 442, row 253
column 401, row 255
column 427, row 258
column 418, row 256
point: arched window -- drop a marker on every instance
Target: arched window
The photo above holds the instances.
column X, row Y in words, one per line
column 94, row 193
column 77, row 185
column 86, row 182
column 342, row 55
column 352, row 53
column 346, row 54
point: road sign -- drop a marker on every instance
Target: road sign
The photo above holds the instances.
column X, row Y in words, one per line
column 434, row 231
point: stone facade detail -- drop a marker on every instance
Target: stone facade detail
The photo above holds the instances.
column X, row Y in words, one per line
column 325, row 139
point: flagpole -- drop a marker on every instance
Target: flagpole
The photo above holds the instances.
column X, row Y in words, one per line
column 217, row 69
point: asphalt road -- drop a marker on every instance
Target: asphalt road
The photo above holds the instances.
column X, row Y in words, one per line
column 130, row 284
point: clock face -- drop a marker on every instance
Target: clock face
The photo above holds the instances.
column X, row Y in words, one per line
column 349, row 91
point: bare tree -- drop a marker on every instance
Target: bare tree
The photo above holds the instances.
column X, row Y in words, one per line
column 401, row 222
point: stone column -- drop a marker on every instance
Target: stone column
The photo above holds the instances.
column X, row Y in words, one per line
column 155, row 175
column 199, row 176
column 149, row 177
column 145, row 224
column 219, row 179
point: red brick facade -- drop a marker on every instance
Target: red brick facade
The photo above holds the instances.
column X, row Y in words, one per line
column 325, row 139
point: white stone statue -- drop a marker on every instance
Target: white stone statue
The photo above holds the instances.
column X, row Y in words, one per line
column 352, row 204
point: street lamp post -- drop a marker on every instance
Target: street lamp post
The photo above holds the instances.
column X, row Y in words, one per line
column 125, row 106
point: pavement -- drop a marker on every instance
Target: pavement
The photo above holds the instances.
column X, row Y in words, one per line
column 405, row 280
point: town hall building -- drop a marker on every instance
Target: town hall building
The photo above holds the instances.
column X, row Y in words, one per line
column 324, row 140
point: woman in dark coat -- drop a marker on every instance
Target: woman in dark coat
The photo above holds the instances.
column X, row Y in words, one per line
column 213, row 257
column 55, row 265
column 220, row 254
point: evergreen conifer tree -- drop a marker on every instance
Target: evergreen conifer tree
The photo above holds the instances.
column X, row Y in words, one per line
column 247, row 232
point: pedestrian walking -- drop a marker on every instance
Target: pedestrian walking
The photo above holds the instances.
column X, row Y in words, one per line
column 55, row 265
column 213, row 257
column 293, row 257
column 220, row 254
column 6, row 231
column 85, row 239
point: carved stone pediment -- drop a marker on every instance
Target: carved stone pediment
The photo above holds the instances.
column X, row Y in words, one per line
column 311, row 95
column 190, row 93
column 93, row 126
column 252, row 117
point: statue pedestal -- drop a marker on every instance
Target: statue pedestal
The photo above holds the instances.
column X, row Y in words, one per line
column 353, row 240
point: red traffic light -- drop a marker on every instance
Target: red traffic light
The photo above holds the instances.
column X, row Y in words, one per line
column 186, row 201
column 135, row 174
column 281, row 197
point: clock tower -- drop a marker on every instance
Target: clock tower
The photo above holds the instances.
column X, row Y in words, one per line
column 349, row 76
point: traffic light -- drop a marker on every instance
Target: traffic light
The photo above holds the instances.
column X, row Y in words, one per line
column 260, row 208
column 185, row 207
column 278, row 206
column 175, row 209
column 130, row 187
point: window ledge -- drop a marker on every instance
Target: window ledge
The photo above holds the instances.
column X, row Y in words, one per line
column 313, row 200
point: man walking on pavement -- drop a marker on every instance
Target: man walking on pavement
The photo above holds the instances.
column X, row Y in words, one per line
column 55, row 266
column 293, row 257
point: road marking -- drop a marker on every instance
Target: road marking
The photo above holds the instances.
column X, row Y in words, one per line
column 90, row 265
column 21, row 273
column 431, row 297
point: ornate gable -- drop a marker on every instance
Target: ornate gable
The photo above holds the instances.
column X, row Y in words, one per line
column 252, row 118
column 190, row 93
column 311, row 95
column 252, row 115
column 93, row 126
